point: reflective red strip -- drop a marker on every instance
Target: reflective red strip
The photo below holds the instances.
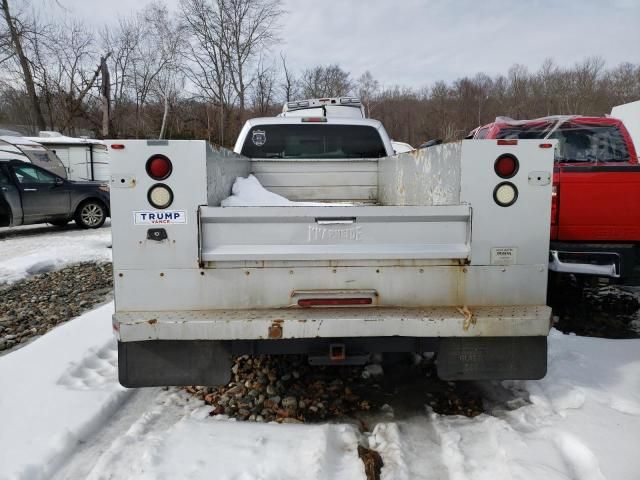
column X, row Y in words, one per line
column 507, row 142
column 332, row 302
column 314, row 119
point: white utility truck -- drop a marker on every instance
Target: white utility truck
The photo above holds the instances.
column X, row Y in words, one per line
column 442, row 250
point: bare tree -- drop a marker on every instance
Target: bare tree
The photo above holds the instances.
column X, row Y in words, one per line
column 123, row 42
column 208, row 68
column 15, row 26
column 330, row 81
column 249, row 27
column 368, row 87
column 263, row 88
column 289, row 84
column 169, row 38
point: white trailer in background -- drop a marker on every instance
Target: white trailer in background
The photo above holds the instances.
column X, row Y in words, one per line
column 83, row 158
column 21, row 148
column 441, row 249
column 629, row 113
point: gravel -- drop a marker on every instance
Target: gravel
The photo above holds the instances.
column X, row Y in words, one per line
column 606, row 311
column 286, row 389
column 33, row 306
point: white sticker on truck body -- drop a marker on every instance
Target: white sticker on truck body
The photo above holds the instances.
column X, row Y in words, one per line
column 504, row 255
column 147, row 217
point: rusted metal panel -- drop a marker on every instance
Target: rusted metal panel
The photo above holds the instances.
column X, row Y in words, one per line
column 335, row 322
column 429, row 176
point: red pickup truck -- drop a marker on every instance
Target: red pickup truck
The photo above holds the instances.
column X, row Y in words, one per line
column 595, row 217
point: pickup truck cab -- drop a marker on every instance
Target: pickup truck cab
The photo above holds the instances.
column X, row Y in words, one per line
column 336, row 107
column 595, row 212
column 316, row 158
column 30, row 194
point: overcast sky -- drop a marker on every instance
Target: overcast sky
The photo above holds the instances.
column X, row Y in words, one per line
column 416, row 42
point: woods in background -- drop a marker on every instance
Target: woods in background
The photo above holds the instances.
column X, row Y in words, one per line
column 201, row 71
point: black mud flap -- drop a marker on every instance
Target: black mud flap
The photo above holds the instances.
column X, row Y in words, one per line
column 156, row 363
column 492, row 358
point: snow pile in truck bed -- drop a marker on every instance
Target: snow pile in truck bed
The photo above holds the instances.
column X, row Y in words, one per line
column 249, row 192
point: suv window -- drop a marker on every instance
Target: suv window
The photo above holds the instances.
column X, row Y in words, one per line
column 28, row 174
column 4, row 180
column 482, row 133
column 313, row 141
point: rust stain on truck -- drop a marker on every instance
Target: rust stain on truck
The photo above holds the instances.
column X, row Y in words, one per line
column 275, row 329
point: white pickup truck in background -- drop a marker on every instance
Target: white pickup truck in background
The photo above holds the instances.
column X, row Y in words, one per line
column 337, row 107
column 443, row 249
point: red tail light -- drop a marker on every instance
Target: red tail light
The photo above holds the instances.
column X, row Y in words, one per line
column 555, row 195
column 314, row 120
column 508, row 141
column 506, row 166
column 333, row 302
column 159, row 167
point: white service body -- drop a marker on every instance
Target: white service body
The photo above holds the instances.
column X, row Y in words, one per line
column 429, row 247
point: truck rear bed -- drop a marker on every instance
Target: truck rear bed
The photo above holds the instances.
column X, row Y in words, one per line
column 436, row 259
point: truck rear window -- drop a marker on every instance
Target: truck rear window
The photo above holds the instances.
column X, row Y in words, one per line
column 313, row 141
column 577, row 142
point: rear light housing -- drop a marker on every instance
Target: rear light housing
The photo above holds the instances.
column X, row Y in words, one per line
column 160, row 196
column 159, row 167
column 506, row 166
column 505, row 194
column 555, row 195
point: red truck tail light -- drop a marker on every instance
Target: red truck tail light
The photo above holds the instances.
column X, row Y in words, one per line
column 314, row 120
column 333, row 302
column 506, row 165
column 555, row 195
column 159, row 167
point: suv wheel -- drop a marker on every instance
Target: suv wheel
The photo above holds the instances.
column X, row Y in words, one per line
column 91, row 214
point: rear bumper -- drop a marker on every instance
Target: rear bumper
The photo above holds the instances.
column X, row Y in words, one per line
column 274, row 324
column 596, row 259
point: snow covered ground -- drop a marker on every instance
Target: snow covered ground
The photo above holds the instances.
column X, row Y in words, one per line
column 39, row 248
column 64, row 416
